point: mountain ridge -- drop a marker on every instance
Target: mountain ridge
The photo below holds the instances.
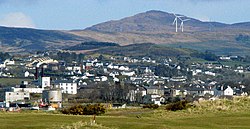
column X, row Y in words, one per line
column 148, row 27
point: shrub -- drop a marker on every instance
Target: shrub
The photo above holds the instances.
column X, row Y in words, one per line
column 151, row 106
column 89, row 109
column 178, row 106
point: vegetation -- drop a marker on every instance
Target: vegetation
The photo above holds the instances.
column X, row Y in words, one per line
column 89, row 109
column 68, row 57
column 180, row 105
column 205, row 115
column 91, row 45
column 151, row 106
column 209, row 56
column 12, row 81
column 32, row 39
column 142, row 50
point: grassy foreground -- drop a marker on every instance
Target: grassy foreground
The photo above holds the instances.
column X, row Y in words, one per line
column 222, row 114
column 125, row 119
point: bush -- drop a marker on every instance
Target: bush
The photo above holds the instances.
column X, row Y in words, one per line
column 89, row 109
column 178, row 106
column 151, row 106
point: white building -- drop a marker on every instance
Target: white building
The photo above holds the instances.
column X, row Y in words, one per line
column 26, row 74
column 223, row 90
column 128, row 73
column 16, row 96
column 44, row 82
column 67, row 86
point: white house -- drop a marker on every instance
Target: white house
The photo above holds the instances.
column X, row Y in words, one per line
column 223, row 90
column 67, row 86
column 26, row 74
column 153, row 98
column 9, row 62
column 124, row 68
column 128, row 73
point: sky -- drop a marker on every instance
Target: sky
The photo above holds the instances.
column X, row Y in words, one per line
column 79, row 14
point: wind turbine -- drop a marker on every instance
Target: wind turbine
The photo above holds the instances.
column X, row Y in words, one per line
column 176, row 22
column 182, row 23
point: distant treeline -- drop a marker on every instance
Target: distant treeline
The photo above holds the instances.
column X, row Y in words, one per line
column 92, row 45
column 209, row 56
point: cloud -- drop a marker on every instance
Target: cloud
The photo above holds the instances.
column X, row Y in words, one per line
column 17, row 19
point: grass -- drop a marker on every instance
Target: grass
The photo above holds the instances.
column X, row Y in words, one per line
column 12, row 81
column 206, row 115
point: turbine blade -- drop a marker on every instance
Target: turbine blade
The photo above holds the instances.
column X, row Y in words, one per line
column 174, row 21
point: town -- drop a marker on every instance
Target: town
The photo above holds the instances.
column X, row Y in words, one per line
column 50, row 80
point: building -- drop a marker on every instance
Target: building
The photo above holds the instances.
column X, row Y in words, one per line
column 16, row 96
column 223, row 91
column 53, row 97
column 44, row 82
column 67, row 86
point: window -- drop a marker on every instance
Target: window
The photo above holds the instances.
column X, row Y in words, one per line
column 17, row 93
column 72, row 92
column 9, row 93
column 71, row 87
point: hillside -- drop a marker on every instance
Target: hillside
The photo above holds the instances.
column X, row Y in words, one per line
column 152, row 21
column 23, row 39
column 148, row 27
column 143, row 50
column 91, row 45
column 156, row 27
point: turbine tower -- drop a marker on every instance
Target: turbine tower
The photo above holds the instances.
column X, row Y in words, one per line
column 182, row 24
column 176, row 22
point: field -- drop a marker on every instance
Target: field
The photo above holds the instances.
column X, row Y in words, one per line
column 129, row 119
column 12, row 81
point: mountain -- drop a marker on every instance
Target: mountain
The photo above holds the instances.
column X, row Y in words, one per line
column 148, row 27
column 23, row 39
column 152, row 21
column 157, row 27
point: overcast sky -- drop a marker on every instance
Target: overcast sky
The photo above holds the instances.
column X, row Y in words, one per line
column 79, row 14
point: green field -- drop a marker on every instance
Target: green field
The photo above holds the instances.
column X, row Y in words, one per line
column 129, row 119
column 12, row 81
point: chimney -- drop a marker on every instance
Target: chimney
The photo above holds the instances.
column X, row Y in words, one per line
column 36, row 74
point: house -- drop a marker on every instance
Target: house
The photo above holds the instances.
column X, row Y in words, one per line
column 178, row 92
column 153, row 99
column 9, row 62
column 155, row 90
column 124, row 68
column 26, row 74
column 67, row 86
column 199, row 91
column 128, row 73
column 223, row 91
column 135, row 95
column 178, row 79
